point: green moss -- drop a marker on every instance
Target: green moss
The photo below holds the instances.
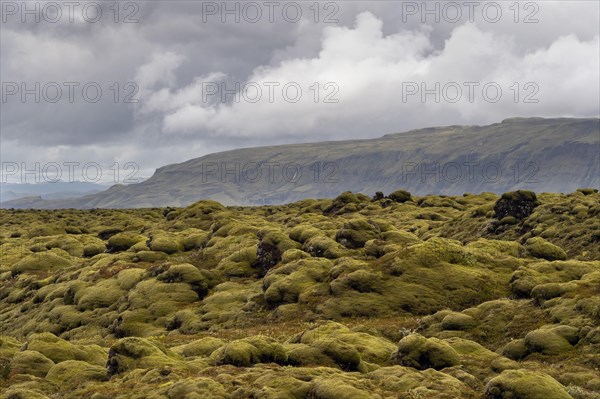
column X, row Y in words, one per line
column 269, row 350
column 128, row 278
column 345, row 355
column 93, row 249
column 547, row 291
column 358, row 280
column 104, row 294
column 293, row 254
column 40, row 262
column 237, row 353
column 516, row 349
column 278, row 239
column 437, row 250
column 201, row 347
column 404, row 238
column 149, row 256
column 264, row 278
column 357, row 232
column 547, row 342
column 422, row 353
column 249, row 351
column 279, row 385
column 332, row 389
column 68, row 317
column 587, row 191
column 336, row 344
column 58, row 350
column 166, row 244
column 74, row 372
column 106, row 233
column 306, row 355
column 541, row 248
column 510, row 220
column 31, row 362
column 458, row 321
column 67, row 243
column 197, row 387
column 124, row 241
column 9, row 346
column 289, row 283
column 45, row 230
column 303, row 233
column 199, row 280
column 23, row 393
column 192, row 239
column 347, row 202
column 160, row 298
column 501, row 364
column 186, row 321
column 524, row 384
column 400, row 196
column 527, row 277
column 429, row 383
column 130, row 353
column 323, row 246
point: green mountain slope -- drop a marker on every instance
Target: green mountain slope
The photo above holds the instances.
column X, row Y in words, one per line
column 555, row 155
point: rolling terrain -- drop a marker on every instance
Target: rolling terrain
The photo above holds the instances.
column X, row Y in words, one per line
column 396, row 296
column 544, row 155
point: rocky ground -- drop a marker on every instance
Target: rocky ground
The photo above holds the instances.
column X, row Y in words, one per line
column 397, row 296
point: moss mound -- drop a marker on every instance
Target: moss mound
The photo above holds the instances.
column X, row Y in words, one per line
column 357, row 232
column 74, row 372
column 458, row 321
column 41, row 262
column 422, row 353
column 541, row 248
column 400, row 196
column 31, row 362
column 166, row 244
column 521, row 384
column 124, row 241
column 249, row 351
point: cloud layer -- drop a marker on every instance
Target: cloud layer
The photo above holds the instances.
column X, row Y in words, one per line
column 376, row 70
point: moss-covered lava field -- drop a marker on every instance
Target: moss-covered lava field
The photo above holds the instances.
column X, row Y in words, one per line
column 397, row 296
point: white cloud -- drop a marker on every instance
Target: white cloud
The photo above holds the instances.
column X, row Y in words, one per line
column 371, row 71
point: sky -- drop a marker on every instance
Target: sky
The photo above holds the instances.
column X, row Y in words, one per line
column 105, row 91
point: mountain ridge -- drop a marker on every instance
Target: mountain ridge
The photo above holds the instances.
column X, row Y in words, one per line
column 555, row 154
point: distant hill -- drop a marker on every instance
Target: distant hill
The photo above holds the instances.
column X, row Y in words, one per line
column 552, row 155
column 48, row 190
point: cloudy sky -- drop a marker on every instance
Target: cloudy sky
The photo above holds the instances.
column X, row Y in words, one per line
column 152, row 83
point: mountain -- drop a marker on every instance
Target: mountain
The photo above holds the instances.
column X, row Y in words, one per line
column 554, row 155
column 48, row 190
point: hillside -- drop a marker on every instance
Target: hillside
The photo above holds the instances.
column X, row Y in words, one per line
column 47, row 190
column 398, row 296
column 553, row 155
